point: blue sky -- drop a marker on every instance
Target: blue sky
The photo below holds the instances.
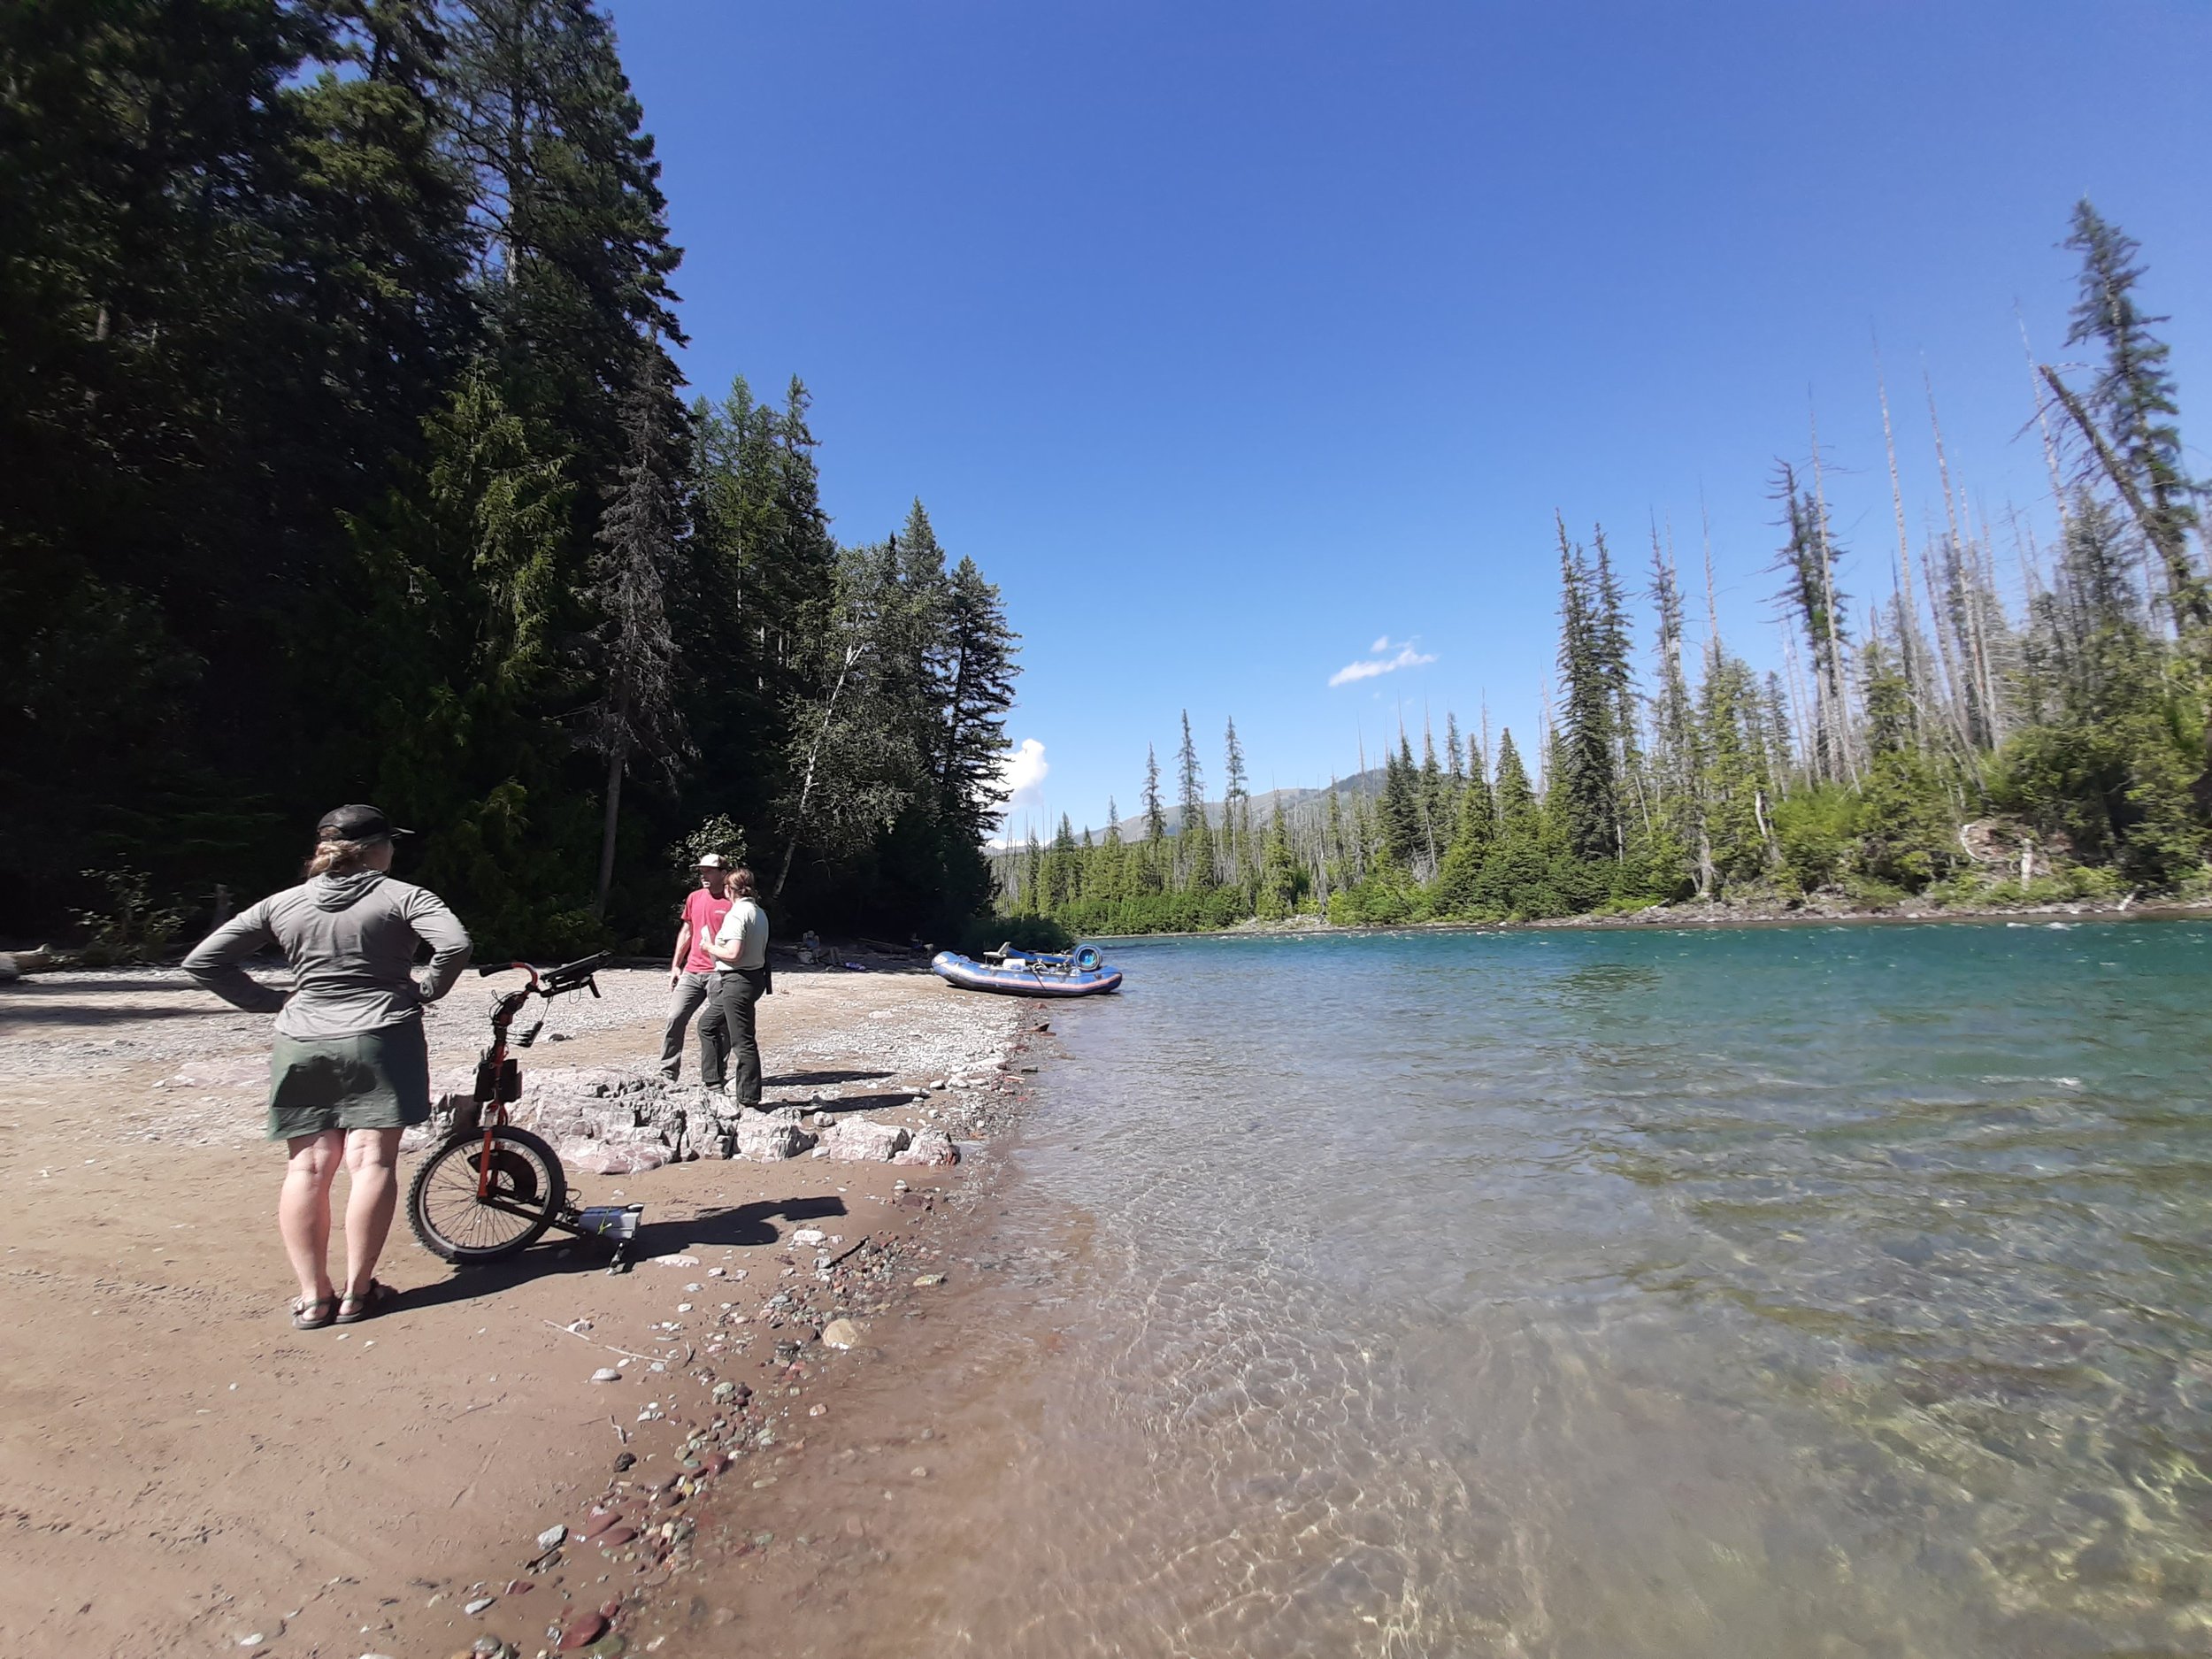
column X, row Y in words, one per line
column 1231, row 339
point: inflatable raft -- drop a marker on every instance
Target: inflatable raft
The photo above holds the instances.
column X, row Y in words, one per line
column 1021, row 973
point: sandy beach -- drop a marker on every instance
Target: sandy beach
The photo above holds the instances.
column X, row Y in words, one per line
column 186, row 1474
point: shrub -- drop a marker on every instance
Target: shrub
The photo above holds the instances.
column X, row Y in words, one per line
column 129, row 927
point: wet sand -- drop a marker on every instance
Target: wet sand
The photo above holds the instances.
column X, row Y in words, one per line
column 183, row 1471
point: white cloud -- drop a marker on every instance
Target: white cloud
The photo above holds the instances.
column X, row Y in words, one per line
column 1022, row 771
column 1367, row 667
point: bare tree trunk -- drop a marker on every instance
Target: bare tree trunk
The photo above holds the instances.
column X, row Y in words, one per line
column 617, row 755
column 2043, row 425
column 806, row 784
column 1965, row 604
column 1839, row 695
column 1908, row 644
column 1953, row 705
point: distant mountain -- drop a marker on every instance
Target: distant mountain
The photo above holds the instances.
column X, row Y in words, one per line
column 1298, row 804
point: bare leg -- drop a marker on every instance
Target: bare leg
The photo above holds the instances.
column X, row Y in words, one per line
column 372, row 1165
column 304, row 1208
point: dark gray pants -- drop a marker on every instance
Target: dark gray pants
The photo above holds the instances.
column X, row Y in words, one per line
column 692, row 991
column 734, row 997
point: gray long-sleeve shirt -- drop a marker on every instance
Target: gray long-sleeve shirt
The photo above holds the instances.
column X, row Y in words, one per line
column 350, row 940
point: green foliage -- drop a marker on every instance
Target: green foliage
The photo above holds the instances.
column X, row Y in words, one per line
column 721, row 834
column 1813, row 830
column 1904, row 823
column 128, row 926
column 2086, row 721
column 344, row 462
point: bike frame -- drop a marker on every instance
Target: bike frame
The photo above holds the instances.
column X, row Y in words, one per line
column 491, row 1072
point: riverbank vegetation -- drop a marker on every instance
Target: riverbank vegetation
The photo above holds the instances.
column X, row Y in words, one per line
column 342, row 457
column 1938, row 743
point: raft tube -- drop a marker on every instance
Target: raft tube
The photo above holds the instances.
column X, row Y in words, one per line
column 1082, row 974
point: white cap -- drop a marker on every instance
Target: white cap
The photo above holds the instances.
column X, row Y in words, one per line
column 711, row 860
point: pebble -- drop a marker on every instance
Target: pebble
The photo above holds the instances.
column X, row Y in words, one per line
column 553, row 1537
column 481, row 1603
column 841, row 1334
column 926, row 1281
column 582, row 1631
column 606, row 1373
column 808, row 1235
column 683, row 1307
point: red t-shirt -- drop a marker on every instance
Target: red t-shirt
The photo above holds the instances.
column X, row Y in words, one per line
column 705, row 912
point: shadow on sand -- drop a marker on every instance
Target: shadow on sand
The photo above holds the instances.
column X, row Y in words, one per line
column 739, row 1225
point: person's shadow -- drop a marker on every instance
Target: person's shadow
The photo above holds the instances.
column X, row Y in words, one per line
column 741, row 1225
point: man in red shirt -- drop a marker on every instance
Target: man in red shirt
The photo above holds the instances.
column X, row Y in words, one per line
column 691, row 972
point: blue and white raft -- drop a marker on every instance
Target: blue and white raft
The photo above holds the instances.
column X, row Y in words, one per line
column 1081, row 972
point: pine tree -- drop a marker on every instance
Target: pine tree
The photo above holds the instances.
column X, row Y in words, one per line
column 974, row 690
column 1518, row 811
column 1808, row 594
column 1282, row 878
column 1194, row 839
column 1399, row 810
column 1730, row 716
column 1679, row 765
column 1585, row 779
column 1236, row 797
column 634, row 649
column 577, row 261
column 1435, row 799
column 2130, row 415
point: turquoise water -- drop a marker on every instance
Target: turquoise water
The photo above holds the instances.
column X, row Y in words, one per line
column 1820, row 1291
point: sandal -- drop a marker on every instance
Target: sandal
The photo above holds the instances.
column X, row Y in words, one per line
column 312, row 1313
column 367, row 1305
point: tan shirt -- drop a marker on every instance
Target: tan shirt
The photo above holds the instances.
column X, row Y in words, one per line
column 747, row 925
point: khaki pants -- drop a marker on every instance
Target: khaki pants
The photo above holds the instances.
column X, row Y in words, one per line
column 692, row 991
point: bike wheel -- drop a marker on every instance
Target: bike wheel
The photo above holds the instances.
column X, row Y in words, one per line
column 528, row 1189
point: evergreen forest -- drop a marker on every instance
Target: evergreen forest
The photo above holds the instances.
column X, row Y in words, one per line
column 343, row 458
column 1945, row 743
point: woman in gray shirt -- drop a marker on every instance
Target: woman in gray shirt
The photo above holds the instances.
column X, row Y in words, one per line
column 350, row 1067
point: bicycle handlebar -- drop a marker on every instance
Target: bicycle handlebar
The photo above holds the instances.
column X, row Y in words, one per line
column 570, row 975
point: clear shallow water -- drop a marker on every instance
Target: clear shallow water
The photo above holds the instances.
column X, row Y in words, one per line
column 1812, row 1291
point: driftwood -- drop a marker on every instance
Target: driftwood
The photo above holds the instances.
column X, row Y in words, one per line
column 45, row 959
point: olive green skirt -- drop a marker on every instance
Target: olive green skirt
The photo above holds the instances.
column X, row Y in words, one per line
column 378, row 1080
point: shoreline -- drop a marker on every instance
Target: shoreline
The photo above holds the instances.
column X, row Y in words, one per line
column 381, row 1490
column 1709, row 916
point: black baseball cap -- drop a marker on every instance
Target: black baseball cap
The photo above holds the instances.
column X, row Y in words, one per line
column 357, row 823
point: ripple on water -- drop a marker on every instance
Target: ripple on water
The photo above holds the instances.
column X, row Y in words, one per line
column 1787, row 1293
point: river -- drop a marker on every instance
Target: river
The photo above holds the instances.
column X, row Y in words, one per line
column 1820, row 1291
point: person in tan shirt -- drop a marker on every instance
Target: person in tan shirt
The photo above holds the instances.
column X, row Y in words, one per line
column 739, row 949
